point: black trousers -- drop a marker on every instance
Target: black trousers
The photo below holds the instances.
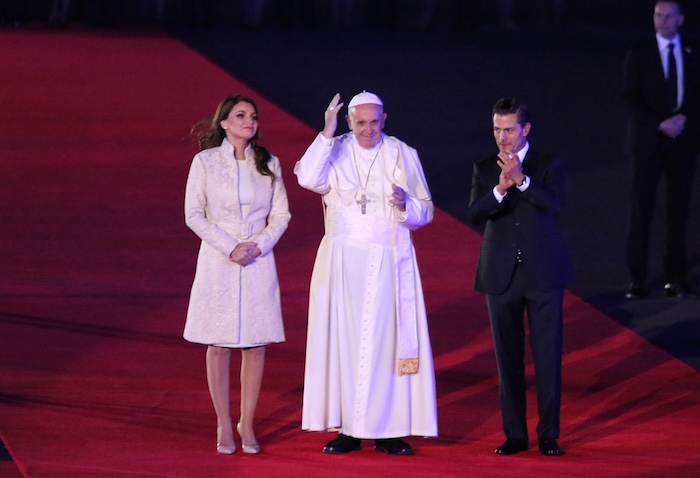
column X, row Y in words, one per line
column 507, row 317
column 678, row 167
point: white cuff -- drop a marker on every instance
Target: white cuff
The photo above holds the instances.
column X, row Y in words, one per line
column 499, row 197
column 324, row 140
column 524, row 185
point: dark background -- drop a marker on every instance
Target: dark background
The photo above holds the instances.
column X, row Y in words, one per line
column 309, row 14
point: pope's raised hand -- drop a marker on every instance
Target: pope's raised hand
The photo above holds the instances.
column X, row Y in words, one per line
column 331, row 116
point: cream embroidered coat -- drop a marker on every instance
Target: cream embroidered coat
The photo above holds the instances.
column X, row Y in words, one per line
column 226, row 297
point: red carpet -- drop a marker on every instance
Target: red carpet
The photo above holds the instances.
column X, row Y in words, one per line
column 96, row 264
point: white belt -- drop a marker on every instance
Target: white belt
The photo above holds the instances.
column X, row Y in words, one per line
column 371, row 229
column 242, row 230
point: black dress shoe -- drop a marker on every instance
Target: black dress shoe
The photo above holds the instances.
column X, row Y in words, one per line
column 393, row 446
column 511, row 447
column 342, row 445
column 550, row 447
column 635, row 291
column 679, row 291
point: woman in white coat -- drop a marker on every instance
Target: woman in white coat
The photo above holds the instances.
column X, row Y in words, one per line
column 235, row 201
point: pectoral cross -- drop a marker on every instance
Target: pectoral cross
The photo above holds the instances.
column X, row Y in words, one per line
column 363, row 203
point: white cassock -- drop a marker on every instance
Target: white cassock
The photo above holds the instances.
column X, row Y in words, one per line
column 368, row 328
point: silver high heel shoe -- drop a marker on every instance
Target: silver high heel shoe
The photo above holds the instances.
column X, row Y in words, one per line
column 249, row 449
column 224, row 449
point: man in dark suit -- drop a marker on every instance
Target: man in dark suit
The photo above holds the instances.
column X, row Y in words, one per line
column 523, row 266
column 661, row 93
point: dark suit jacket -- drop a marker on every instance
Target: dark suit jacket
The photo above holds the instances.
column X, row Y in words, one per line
column 525, row 221
column 645, row 94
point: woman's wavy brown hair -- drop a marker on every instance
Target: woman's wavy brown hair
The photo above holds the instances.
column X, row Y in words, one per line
column 209, row 133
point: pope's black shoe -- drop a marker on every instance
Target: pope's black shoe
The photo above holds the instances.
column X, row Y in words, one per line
column 342, row 445
column 393, row 446
column 511, row 447
column 550, row 447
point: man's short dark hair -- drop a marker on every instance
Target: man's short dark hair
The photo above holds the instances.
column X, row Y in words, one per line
column 510, row 106
column 678, row 4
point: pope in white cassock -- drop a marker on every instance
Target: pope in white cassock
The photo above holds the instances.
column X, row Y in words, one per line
column 369, row 366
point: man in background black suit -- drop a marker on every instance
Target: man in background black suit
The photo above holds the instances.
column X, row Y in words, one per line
column 661, row 94
column 523, row 266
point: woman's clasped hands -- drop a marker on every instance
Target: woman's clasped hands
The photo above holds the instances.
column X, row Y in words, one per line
column 244, row 253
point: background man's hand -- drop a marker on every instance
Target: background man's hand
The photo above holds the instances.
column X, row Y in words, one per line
column 673, row 126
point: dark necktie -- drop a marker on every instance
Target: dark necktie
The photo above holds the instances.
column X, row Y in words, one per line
column 672, row 78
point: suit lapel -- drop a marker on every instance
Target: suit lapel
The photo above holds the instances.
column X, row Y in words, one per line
column 689, row 72
column 532, row 164
column 655, row 61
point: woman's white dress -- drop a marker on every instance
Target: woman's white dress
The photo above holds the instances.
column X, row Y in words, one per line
column 227, row 202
